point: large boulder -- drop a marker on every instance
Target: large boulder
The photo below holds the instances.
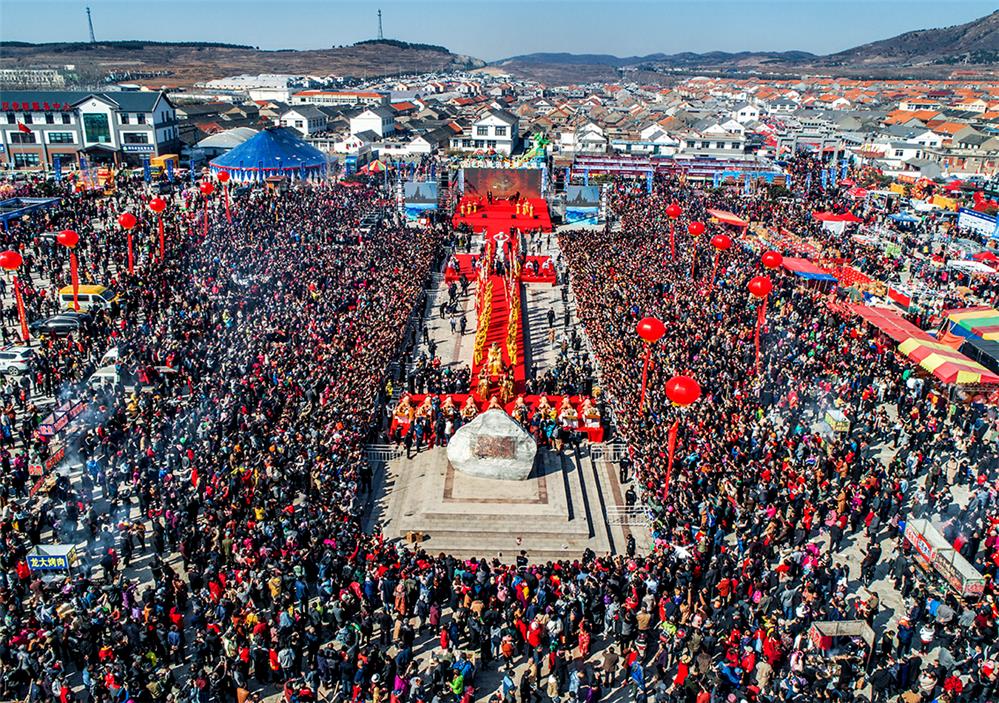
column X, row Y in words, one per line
column 493, row 445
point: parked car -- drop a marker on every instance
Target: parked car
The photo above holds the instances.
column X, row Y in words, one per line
column 60, row 325
column 16, row 360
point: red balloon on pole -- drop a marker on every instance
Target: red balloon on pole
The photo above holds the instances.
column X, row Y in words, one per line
column 223, row 176
column 68, row 238
column 683, row 390
column 772, row 260
column 157, row 205
column 721, row 242
column 10, row 260
column 695, row 228
column 673, row 211
column 650, row 329
column 760, row 286
column 126, row 220
column 207, row 188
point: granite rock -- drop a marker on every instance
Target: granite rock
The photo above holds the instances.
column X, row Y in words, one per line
column 493, row 445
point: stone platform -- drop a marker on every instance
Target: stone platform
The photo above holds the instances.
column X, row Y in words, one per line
column 559, row 511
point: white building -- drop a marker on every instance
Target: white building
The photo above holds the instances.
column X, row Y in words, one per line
column 495, row 129
column 341, row 97
column 306, row 119
column 588, row 139
column 380, row 120
column 746, row 113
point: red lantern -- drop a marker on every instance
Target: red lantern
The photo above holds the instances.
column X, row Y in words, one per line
column 683, row 390
column 157, row 205
column 772, row 260
column 223, row 176
column 673, row 211
column 68, row 238
column 760, row 286
column 10, row 260
column 695, row 228
column 126, row 220
column 650, row 329
column 721, row 242
column 207, row 188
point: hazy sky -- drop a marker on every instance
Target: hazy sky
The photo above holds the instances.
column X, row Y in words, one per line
column 491, row 30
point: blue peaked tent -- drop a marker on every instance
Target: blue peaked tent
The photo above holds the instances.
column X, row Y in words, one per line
column 275, row 151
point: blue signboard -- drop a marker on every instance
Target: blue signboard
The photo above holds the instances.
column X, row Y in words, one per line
column 169, row 165
column 57, row 166
column 147, row 174
column 45, row 562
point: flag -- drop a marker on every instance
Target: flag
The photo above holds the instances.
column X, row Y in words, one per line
column 671, row 449
column 21, row 127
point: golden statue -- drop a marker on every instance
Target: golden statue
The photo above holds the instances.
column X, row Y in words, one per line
column 469, row 410
column 495, row 360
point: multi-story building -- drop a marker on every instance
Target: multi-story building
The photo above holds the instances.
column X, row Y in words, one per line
column 111, row 127
column 496, row 130
column 340, row 97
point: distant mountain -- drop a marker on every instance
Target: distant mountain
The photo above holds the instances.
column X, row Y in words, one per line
column 913, row 53
column 976, row 42
column 187, row 63
column 685, row 58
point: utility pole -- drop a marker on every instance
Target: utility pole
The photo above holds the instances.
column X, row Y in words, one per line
column 380, row 35
column 90, row 25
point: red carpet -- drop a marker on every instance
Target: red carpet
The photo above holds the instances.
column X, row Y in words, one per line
column 502, row 215
column 497, row 333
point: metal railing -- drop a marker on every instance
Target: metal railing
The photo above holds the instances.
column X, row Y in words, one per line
column 613, row 451
column 631, row 516
column 381, row 453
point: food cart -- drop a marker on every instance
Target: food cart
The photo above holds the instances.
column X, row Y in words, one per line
column 936, row 556
column 825, row 635
column 52, row 558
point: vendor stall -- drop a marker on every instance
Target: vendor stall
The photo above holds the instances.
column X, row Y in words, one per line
column 934, row 554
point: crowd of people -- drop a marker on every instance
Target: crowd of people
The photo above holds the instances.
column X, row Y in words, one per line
column 223, row 556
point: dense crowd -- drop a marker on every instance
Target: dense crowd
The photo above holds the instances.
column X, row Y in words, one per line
column 222, row 513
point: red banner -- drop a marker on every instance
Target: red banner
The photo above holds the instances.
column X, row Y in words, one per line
column 74, row 275
column 25, row 335
column 671, row 449
column 761, row 315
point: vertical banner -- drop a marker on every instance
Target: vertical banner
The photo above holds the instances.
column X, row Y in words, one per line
column 147, row 173
column 844, row 171
column 568, row 177
column 825, row 178
column 670, row 450
column 260, row 170
column 808, row 182
column 57, row 167
column 21, row 316
column 586, row 176
column 191, row 169
column 169, row 165
column 716, row 180
column 648, row 182
column 84, row 171
column 749, row 181
column 303, row 174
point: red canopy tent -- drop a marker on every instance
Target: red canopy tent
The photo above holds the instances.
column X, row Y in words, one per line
column 728, row 218
column 891, row 323
column 836, row 217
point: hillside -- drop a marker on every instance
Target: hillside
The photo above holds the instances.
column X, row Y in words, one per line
column 921, row 53
column 976, row 42
column 187, row 63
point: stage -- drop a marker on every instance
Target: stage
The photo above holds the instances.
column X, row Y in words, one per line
column 465, row 269
column 501, row 215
